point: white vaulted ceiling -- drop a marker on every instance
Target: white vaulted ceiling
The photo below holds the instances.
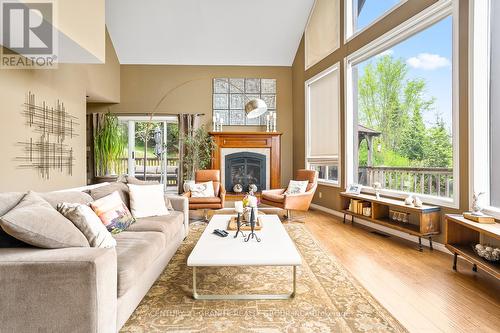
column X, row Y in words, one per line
column 207, row 32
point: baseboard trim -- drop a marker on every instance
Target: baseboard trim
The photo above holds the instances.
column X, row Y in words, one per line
column 392, row 232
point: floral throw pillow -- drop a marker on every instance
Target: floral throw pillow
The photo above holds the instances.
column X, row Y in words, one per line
column 203, row 190
column 113, row 213
column 297, row 186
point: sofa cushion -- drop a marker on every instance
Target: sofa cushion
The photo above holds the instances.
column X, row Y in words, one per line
column 76, row 197
column 136, row 251
column 36, row 222
column 9, row 200
column 169, row 225
column 103, row 191
column 134, row 181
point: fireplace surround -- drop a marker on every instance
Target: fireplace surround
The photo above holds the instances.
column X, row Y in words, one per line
column 252, row 146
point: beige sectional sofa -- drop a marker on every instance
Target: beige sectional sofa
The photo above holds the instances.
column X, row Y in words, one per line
column 85, row 289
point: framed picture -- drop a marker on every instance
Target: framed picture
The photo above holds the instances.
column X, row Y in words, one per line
column 354, row 188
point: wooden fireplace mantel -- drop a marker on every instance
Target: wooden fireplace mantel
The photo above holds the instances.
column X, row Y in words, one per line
column 271, row 140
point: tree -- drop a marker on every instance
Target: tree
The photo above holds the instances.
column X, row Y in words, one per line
column 394, row 105
column 439, row 149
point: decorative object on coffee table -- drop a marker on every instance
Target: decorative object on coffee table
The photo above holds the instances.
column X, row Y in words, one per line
column 238, row 207
column 252, row 234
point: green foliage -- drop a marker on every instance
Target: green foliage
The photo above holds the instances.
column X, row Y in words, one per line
column 198, row 156
column 394, row 105
column 109, row 146
column 439, row 150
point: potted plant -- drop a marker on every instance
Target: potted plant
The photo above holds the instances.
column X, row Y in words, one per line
column 198, row 153
column 109, row 148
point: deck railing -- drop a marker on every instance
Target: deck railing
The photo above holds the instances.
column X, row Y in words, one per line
column 154, row 162
column 431, row 181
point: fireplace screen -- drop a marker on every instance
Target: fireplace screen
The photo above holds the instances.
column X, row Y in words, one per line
column 245, row 169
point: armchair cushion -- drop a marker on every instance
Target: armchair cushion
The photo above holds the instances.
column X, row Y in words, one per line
column 275, row 197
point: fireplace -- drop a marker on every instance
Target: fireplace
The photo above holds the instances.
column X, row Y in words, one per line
column 254, row 157
column 245, row 168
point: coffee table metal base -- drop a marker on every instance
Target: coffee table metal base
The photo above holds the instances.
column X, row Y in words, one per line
column 247, row 296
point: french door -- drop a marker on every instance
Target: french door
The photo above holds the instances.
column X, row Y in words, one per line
column 152, row 149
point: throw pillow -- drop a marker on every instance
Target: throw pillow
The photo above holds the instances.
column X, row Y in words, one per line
column 36, row 222
column 147, row 200
column 84, row 218
column 297, row 186
column 103, row 191
column 134, row 181
column 113, row 213
column 202, row 190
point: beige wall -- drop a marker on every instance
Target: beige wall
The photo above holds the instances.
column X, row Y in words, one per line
column 189, row 90
column 68, row 83
column 84, row 23
column 330, row 195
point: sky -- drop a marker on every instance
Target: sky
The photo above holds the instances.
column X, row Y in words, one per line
column 428, row 55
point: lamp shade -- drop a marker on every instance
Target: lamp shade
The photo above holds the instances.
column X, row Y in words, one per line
column 255, row 108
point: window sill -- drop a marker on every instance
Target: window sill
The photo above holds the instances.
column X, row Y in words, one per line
column 328, row 183
column 426, row 199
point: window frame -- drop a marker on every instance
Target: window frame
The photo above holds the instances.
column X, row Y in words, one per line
column 309, row 160
column 479, row 103
column 423, row 20
column 349, row 32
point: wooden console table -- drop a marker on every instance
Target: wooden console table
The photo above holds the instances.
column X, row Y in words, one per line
column 423, row 221
column 462, row 234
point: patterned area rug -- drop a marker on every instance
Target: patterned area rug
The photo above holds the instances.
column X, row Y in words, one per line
column 328, row 298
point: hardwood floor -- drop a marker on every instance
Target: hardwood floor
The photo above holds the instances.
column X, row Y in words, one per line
column 419, row 288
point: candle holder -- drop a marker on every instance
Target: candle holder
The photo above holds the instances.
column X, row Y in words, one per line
column 238, row 226
column 252, row 234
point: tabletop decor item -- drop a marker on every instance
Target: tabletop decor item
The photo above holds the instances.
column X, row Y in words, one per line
column 417, row 202
column 409, row 200
column 253, row 219
column 354, row 188
column 488, row 253
column 476, row 207
column 238, row 207
column 377, row 186
column 238, row 188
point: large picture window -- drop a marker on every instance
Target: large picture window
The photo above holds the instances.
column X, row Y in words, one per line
column 401, row 110
column 363, row 13
column 485, row 120
column 322, row 125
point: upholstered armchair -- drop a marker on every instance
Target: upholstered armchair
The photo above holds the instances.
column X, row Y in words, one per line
column 293, row 202
column 216, row 202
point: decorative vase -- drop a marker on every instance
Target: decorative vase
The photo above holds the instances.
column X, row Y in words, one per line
column 418, row 202
column 237, row 188
column 409, row 200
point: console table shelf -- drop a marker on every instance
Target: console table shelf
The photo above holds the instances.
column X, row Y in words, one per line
column 422, row 221
column 462, row 234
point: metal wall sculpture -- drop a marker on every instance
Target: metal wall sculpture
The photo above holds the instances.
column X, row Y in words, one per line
column 49, row 150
